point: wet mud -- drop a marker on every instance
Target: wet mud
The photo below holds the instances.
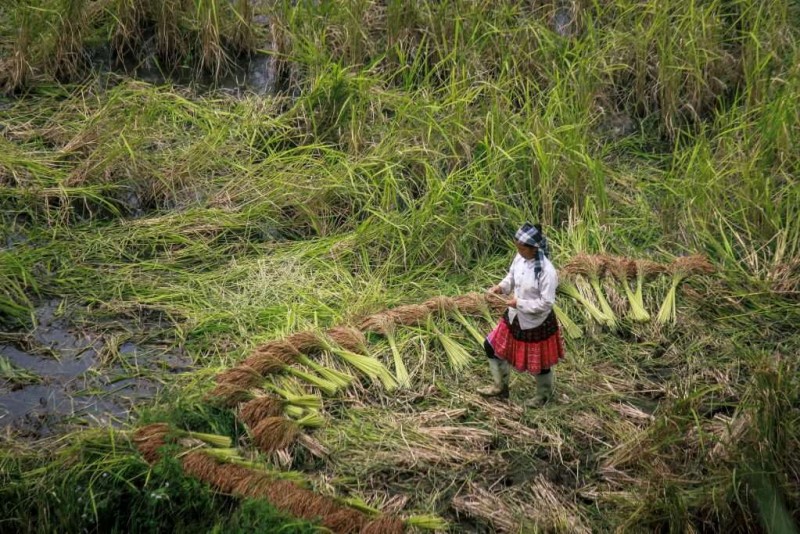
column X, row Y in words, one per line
column 57, row 376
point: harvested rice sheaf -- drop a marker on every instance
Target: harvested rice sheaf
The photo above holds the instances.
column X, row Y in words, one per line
column 496, row 303
column 283, row 349
column 228, row 395
column 411, row 314
column 379, row 323
column 259, row 408
column 241, row 375
column 149, row 439
column 266, row 364
column 470, row 303
column 348, row 337
column 345, row 521
column 274, row 433
column 384, row 525
column 307, row 341
column 441, row 304
column 202, row 466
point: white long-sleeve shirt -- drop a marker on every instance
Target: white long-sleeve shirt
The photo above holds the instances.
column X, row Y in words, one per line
column 535, row 298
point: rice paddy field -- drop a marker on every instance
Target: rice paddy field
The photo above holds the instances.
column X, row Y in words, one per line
column 246, row 247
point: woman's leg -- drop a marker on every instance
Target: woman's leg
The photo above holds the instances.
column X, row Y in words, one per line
column 500, row 370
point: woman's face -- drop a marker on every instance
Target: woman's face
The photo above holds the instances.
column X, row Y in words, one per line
column 526, row 251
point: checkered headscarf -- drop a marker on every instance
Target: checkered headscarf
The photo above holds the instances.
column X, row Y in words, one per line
column 529, row 235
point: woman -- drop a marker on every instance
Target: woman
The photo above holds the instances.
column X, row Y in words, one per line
column 527, row 336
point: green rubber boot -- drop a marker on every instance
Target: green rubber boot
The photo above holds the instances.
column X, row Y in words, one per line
column 544, row 390
column 500, row 372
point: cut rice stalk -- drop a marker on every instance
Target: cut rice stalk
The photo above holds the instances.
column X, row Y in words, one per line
column 400, row 371
column 214, row 440
column 469, row 327
column 681, row 269
column 572, row 291
column 570, row 327
column 369, row 366
column 224, row 455
column 326, row 386
column 312, row 419
column 457, row 355
column 332, row 375
column 427, row 522
column 622, row 270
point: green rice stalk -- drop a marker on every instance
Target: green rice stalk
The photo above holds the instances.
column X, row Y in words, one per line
column 457, row 355
column 427, row 522
column 400, row 371
column 225, row 455
column 569, row 289
column 611, row 319
column 293, row 411
column 299, row 399
column 311, row 420
column 621, row 269
column 570, row 327
column 214, row 440
column 681, row 268
column 470, row 327
column 326, row 386
column 360, row 505
column 332, row 375
column 369, row 366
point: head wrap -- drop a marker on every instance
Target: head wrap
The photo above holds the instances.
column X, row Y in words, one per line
column 532, row 236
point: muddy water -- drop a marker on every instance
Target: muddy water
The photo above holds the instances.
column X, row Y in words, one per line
column 61, row 377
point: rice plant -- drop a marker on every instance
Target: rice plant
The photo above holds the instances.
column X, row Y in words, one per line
column 681, row 268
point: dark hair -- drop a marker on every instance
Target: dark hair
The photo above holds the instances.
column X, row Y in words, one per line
column 538, row 226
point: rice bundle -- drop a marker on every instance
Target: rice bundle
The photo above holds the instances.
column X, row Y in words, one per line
column 377, row 323
column 266, row 364
column 367, row 365
column 569, row 289
column 411, row 314
column 427, row 522
column 496, row 303
column 440, row 304
column 644, row 270
column 400, row 371
column 470, row 303
column 384, row 525
column 348, row 337
column 681, row 268
column 228, row 395
column 241, row 375
column 149, row 439
column 593, row 267
column 274, row 433
column 260, row 408
column 306, row 341
column 326, row 386
column 339, row 378
column 477, row 336
column 623, row 269
column 344, row 521
column 570, row 327
column 457, row 355
column 280, row 348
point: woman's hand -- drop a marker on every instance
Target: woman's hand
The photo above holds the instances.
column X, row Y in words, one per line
column 512, row 303
column 495, row 290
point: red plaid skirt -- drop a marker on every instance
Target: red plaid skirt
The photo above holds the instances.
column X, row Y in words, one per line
column 530, row 356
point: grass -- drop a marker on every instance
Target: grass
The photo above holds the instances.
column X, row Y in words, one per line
column 409, row 142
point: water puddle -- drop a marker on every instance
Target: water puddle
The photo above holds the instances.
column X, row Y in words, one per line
column 57, row 376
